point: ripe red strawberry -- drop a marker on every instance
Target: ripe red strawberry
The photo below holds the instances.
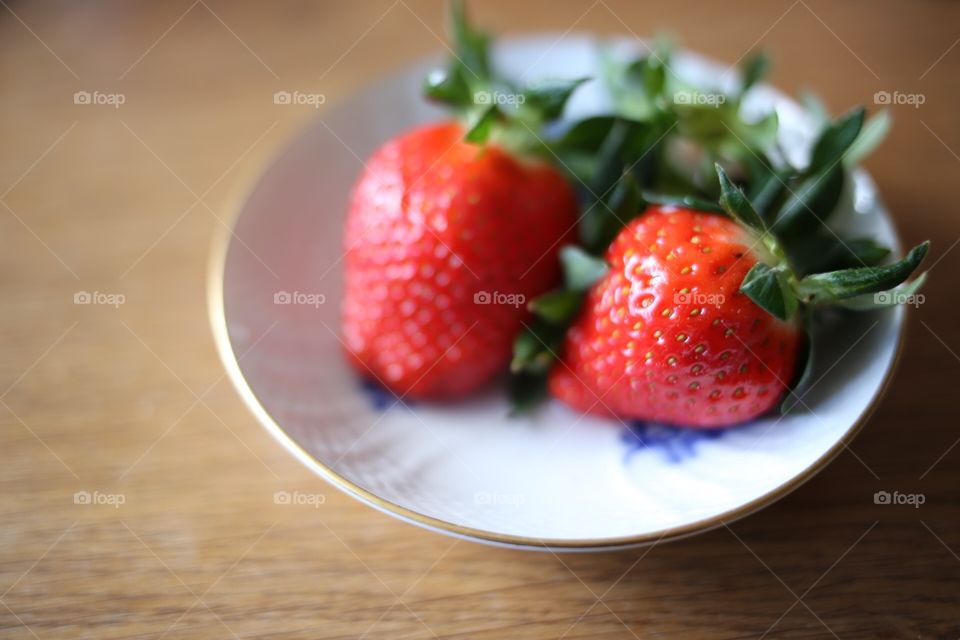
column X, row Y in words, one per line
column 446, row 241
column 667, row 335
column 695, row 318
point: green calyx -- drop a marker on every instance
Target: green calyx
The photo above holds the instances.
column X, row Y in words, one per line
column 493, row 109
column 776, row 287
column 537, row 347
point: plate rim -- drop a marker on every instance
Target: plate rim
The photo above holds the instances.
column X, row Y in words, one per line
column 216, row 269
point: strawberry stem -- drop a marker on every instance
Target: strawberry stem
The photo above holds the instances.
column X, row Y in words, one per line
column 491, row 108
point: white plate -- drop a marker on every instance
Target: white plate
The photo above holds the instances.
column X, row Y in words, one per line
column 555, row 479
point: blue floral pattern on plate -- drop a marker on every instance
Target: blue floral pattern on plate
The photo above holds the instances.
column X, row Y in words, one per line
column 379, row 396
column 673, row 443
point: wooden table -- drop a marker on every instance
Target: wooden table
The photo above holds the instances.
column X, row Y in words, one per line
column 130, row 402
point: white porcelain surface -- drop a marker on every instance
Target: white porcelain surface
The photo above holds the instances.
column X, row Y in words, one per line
column 555, row 477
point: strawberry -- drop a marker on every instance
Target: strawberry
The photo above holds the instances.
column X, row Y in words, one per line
column 692, row 318
column 452, row 227
column 667, row 335
column 445, row 243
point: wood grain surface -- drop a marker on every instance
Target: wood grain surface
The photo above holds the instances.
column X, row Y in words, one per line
column 130, row 402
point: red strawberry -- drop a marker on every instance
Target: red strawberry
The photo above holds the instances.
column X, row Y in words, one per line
column 667, row 335
column 694, row 318
column 446, row 241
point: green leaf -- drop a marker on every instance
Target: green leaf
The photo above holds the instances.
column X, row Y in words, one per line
column 526, row 391
column 861, row 251
column 448, row 87
column 811, row 203
column 482, row 125
column 471, row 47
column 598, row 149
column 602, row 221
column 581, row 270
column 736, row 204
column 848, row 283
column 637, row 87
column 549, row 98
column 610, row 157
column 527, row 349
column 644, row 151
column 724, row 130
column 794, row 396
column 586, row 134
column 655, row 74
column 768, row 288
column 873, row 133
column 577, row 165
column 557, row 307
column 754, row 69
column 836, row 140
column 649, row 75
column 685, row 202
column 906, row 293
column 826, row 251
column 766, row 189
column 612, row 74
column 707, row 123
column 625, row 200
column 535, row 347
column 814, row 194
